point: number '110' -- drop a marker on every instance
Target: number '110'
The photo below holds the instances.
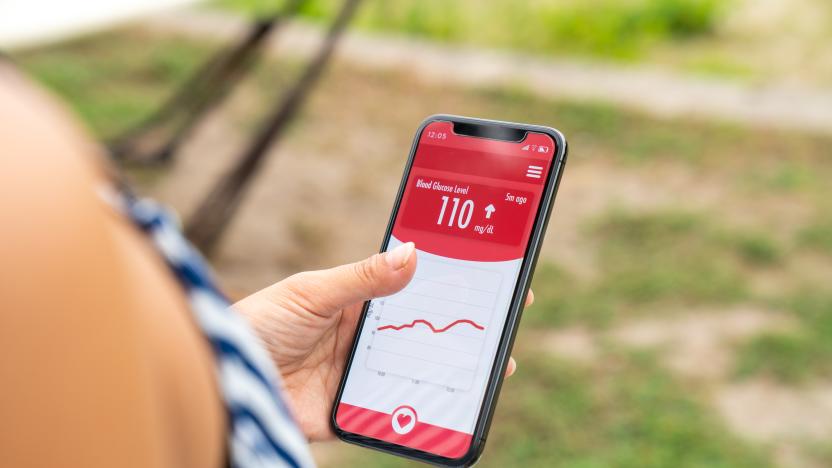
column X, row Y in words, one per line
column 465, row 212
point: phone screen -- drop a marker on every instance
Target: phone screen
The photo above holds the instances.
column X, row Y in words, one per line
column 424, row 355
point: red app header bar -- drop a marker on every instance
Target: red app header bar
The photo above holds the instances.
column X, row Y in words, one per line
column 478, row 163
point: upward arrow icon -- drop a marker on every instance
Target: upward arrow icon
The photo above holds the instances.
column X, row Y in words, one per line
column 489, row 210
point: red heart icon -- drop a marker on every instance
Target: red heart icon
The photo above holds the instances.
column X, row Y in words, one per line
column 403, row 419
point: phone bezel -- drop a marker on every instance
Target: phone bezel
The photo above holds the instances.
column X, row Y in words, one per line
column 516, row 305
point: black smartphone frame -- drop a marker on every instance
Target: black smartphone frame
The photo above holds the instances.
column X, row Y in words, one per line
column 475, row 128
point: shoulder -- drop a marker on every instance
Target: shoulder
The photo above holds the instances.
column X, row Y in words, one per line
column 47, row 176
column 101, row 333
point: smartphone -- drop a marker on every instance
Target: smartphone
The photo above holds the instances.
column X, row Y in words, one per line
column 427, row 363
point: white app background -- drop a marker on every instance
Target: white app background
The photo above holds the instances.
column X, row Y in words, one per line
column 441, row 371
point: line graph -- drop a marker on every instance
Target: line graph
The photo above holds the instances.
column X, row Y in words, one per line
column 432, row 326
column 434, row 330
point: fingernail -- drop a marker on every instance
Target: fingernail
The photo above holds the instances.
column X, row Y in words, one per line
column 398, row 257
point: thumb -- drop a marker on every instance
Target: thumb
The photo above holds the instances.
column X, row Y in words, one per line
column 325, row 292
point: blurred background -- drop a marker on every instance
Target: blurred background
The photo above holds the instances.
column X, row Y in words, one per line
column 684, row 306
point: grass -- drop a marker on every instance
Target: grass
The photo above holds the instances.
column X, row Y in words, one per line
column 639, row 248
column 606, row 28
column 821, row 453
column 624, row 412
column 122, row 76
column 114, row 80
column 818, row 234
column 561, row 299
column 665, row 256
column 753, row 157
column 595, row 126
column 714, row 65
column 798, row 355
column 755, row 249
column 787, row 176
column 670, row 258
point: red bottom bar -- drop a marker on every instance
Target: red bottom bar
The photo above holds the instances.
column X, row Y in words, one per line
column 404, row 429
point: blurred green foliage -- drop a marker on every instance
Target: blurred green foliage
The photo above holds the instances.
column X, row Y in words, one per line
column 610, row 28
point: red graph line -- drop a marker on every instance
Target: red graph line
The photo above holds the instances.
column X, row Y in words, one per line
column 430, row 325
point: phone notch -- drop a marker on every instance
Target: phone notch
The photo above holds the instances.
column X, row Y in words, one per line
column 490, row 131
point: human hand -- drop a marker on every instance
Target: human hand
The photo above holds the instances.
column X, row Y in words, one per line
column 308, row 322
